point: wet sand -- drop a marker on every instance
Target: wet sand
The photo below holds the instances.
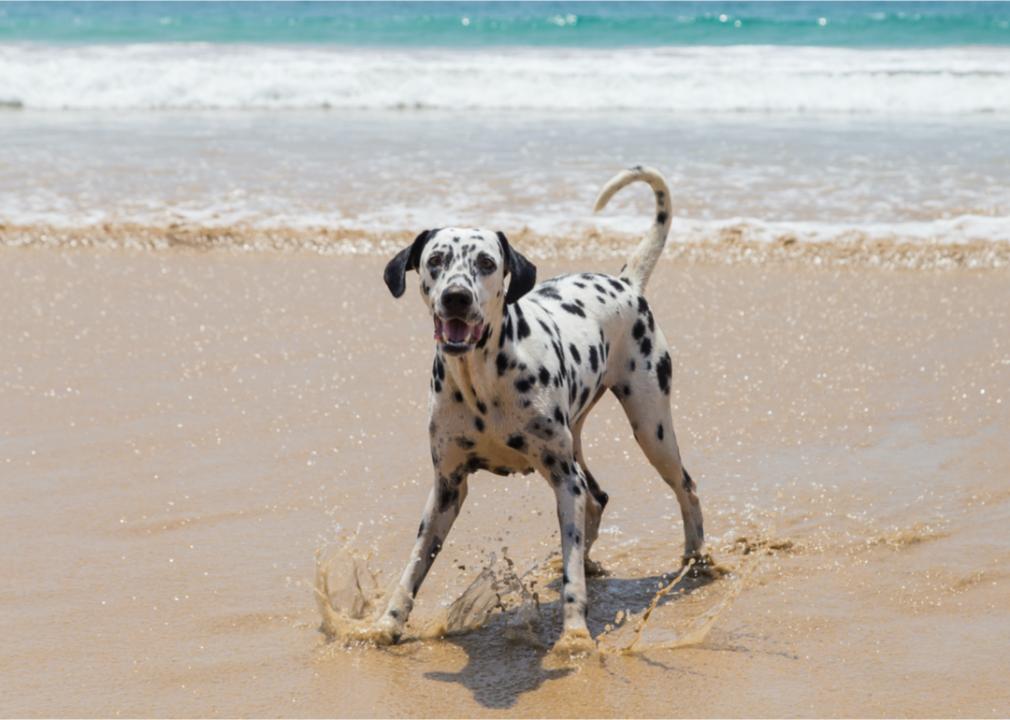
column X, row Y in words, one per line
column 181, row 431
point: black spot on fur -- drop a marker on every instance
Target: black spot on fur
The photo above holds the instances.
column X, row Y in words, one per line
column 544, row 375
column 457, row 396
column 501, row 362
column 522, row 327
column 516, row 442
column 638, row 330
column 558, row 415
column 464, row 442
column 594, row 489
column 549, row 291
column 661, row 217
column 664, row 371
column 575, row 353
column 659, row 431
column 475, row 462
column 573, row 309
column 594, row 360
column 479, row 424
column 446, row 498
column 481, row 407
column 523, row 385
column 645, row 345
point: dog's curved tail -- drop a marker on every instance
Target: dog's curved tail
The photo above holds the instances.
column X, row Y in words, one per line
column 639, row 267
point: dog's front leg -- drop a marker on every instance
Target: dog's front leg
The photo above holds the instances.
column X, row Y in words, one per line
column 444, row 502
column 570, row 489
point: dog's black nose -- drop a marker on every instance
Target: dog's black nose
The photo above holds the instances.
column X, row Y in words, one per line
column 456, row 300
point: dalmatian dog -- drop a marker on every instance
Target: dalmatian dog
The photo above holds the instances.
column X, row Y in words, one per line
column 518, row 367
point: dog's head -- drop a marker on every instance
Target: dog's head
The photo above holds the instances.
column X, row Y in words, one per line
column 463, row 281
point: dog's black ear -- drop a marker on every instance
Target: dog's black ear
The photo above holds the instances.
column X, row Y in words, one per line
column 409, row 258
column 523, row 272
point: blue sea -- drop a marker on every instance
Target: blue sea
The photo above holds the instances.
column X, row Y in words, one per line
column 468, row 24
column 817, row 120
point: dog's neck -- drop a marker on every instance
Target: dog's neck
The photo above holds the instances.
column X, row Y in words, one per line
column 474, row 373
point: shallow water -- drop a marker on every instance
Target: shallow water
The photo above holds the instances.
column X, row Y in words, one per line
column 182, row 432
column 809, row 179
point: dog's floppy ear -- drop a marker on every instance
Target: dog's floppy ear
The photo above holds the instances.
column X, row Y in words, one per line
column 409, row 258
column 523, row 272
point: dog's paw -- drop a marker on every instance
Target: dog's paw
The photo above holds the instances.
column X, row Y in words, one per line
column 703, row 567
column 574, row 642
column 384, row 632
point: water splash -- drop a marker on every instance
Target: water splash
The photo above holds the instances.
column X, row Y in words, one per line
column 694, row 628
column 344, row 611
column 348, row 608
column 515, row 600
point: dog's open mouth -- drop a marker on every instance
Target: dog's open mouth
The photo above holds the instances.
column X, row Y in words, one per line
column 457, row 336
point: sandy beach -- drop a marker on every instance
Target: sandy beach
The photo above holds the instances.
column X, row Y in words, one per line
column 182, row 431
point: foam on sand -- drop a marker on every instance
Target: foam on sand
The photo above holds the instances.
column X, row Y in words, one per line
column 734, row 242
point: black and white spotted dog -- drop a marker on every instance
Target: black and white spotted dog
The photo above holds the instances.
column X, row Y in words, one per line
column 517, row 369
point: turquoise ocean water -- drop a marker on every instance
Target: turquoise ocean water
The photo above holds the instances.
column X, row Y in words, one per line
column 574, row 24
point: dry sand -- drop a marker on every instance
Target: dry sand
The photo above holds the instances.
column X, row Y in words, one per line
column 181, row 431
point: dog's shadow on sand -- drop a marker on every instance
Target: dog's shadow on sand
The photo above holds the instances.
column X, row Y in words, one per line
column 501, row 668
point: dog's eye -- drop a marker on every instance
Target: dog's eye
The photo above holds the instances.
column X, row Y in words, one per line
column 435, row 260
column 486, row 265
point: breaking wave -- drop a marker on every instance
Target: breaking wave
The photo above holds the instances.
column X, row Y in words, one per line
column 680, row 80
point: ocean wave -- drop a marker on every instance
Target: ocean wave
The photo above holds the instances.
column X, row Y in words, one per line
column 738, row 79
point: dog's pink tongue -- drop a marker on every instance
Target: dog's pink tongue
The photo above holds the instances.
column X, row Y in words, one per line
column 456, row 331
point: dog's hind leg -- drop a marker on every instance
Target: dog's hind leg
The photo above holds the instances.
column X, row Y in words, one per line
column 444, row 503
column 646, row 401
column 595, row 504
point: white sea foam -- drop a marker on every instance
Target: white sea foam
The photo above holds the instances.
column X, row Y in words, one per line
column 740, row 79
column 399, row 219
